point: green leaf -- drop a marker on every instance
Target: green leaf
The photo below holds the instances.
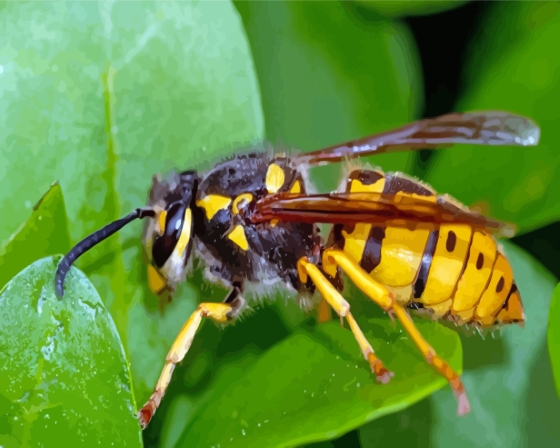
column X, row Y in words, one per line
column 44, row 233
column 399, row 8
column 328, row 75
column 508, row 379
column 103, row 95
column 554, row 336
column 179, row 80
column 63, row 374
column 298, row 391
column 513, row 64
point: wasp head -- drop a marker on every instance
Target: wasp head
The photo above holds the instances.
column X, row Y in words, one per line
column 168, row 236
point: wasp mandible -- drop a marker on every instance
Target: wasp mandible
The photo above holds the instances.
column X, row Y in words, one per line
column 251, row 220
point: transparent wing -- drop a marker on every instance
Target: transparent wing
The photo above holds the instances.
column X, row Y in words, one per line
column 475, row 128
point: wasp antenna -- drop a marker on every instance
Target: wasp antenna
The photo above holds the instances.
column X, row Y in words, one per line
column 95, row 238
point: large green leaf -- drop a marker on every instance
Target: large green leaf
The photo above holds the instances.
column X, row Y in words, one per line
column 513, row 64
column 554, row 336
column 316, row 385
column 327, row 76
column 63, row 376
column 399, row 8
column 508, row 379
column 44, row 233
column 103, row 95
column 178, row 80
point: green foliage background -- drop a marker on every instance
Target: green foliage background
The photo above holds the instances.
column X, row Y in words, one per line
column 99, row 96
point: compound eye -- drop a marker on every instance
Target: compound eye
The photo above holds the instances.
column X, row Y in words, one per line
column 165, row 244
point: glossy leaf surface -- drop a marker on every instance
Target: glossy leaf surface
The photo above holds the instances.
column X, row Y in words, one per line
column 63, row 373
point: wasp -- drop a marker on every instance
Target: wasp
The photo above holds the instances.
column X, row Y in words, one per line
column 252, row 219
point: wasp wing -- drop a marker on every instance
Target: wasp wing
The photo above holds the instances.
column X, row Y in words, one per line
column 476, row 128
column 376, row 208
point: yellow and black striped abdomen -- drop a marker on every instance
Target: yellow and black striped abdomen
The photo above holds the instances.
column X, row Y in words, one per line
column 454, row 271
column 467, row 278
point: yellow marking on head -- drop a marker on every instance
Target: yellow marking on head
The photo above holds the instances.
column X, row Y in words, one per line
column 273, row 223
column 401, row 255
column 156, row 281
column 355, row 242
column 237, row 235
column 248, row 197
column 185, row 234
column 477, row 272
column 447, row 265
column 213, row 203
column 274, row 178
column 358, row 187
column 161, row 222
column 296, row 187
column 497, row 290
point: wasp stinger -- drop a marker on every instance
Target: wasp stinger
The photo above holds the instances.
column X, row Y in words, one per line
column 251, row 220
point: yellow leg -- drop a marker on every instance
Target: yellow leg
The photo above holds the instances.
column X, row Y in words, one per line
column 432, row 358
column 377, row 292
column 342, row 308
column 216, row 311
column 380, row 295
column 324, row 314
column 381, row 373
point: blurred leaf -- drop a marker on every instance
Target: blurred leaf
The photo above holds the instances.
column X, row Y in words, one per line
column 63, row 374
column 315, row 385
column 513, row 64
column 103, row 95
column 44, row 233
column 328, row 75
column 398, row 8
column 554, row 336
column 408, row 427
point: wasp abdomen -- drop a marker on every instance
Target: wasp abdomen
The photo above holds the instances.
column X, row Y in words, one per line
column 454, row 270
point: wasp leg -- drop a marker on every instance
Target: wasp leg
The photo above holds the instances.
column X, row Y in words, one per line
column 219, row 312
column 342, row 308
column 380, row 295
column 324, row 314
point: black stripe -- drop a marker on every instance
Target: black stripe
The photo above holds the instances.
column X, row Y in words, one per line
column 505, row 305
column 372, row 252
column 426, row 264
